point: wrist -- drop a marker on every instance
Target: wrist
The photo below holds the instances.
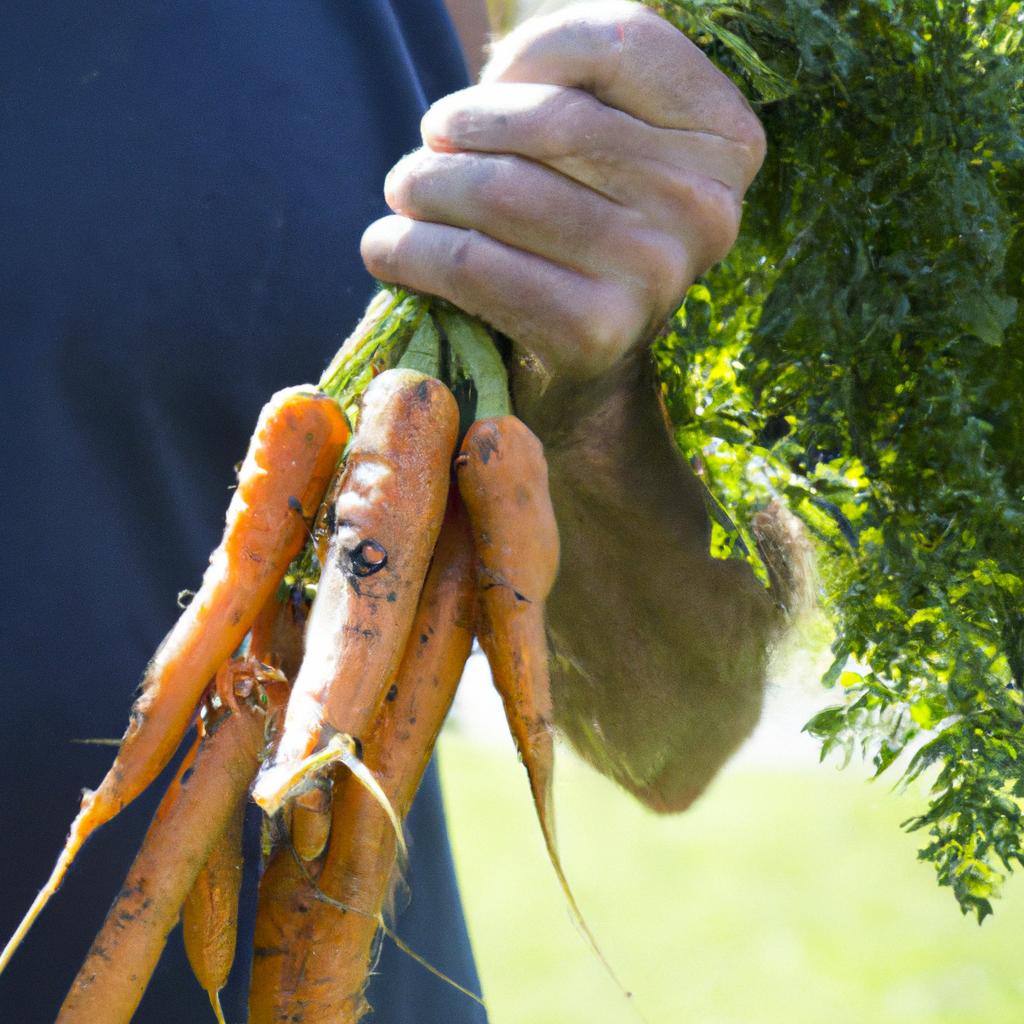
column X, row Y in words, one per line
column 611, row 451
column 566, row 410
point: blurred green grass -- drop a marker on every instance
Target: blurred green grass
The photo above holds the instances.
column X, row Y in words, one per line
column 786, row 894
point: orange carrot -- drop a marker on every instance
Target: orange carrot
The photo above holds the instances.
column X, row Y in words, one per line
column 287, row 895
column 209, row 917
column 311, row 820
column 191, row 817
column 503, row 479
column 286, row 889
column 296, row 445
column 402, row 741
column 277, row 638
column 277, row 635
column 386, row 519
column 320, row 974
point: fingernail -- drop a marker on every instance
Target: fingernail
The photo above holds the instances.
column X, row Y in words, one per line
column 435, row 129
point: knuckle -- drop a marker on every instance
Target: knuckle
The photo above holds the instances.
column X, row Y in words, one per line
column 534, row 34
column 748, row 132
column 648, row 37
column 492, row 185
column 661, row 261
column 564, row 123
column 640, row 19
column 603, row 329
column 752, row 133
column 456, row 259
column 707, row 216
column 723, row 225
column 718, row 238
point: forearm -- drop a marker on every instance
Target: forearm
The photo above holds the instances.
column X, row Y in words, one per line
column 659, row 650
column 568, row 200
column 609, row 443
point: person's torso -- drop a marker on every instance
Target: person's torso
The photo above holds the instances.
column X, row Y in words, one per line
column 183, row 190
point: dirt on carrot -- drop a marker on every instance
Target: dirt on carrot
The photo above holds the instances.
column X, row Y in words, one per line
column 202, row 799
column 287, row 896
column 294, row 450
column 503, row 480
column 385, row 522
column 321, row 976
column 209, row 917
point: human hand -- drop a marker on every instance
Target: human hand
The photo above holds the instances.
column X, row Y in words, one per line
column 572, row 197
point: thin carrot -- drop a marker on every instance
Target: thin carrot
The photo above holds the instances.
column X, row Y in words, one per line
column 296, row 445
column 209, row 917
column 286, row 889
column 320, row 974
column 386, row 519
column 503, row 479
column 188, row 822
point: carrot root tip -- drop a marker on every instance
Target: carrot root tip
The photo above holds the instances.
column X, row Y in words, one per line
column 215, row 1004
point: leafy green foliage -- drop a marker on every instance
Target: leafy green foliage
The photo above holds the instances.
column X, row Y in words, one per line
column 861, row 354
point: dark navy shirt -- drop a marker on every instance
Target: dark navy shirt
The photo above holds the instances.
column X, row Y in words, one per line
column 182, row 190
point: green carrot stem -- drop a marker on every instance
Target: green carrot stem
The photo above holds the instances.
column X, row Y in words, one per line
column 423, row 353
column 474, row 355
column 389, row 321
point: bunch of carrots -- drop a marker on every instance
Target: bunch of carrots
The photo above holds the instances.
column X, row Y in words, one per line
column 381, row 521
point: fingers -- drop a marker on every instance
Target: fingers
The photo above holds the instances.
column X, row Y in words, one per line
column 575, row 133
column 631, row 59
column 530, row 207
column 571, row 323
column 571, row 198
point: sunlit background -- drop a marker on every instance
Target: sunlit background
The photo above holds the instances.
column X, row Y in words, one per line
column 788, row 893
